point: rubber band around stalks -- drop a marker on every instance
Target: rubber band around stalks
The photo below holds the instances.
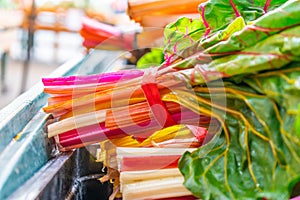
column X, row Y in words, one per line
column 151, row 92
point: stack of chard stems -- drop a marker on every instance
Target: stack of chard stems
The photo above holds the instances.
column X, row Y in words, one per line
column 229, row 87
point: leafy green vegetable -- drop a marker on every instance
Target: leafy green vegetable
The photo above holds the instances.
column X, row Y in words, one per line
column 274, row 52
column 182, row 33
column 219, row 13
column 237, row 25
column 215, row 16
column 150, row 59
column 222, row 35
column 258, row 153
column 286, row 16
column 271, row 53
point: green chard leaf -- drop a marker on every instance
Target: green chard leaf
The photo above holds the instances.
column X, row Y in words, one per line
column 220, row 13
column 204, row 43
column 286, row 16
column 186, row 36
column 258, row 153
column 274, row 52
column 182, row 33
column 238, row 37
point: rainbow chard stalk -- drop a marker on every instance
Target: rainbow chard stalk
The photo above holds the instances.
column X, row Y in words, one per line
column 91, row 109
column 111, row 77
column 267, row 5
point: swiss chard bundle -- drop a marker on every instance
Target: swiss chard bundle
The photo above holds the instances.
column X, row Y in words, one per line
column 230, row 79
column 257, row 154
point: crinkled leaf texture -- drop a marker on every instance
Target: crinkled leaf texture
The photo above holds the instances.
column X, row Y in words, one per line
column 214, row 15
column 219, row 13
column 182, row 33
column 236, row 37
column 258, row 153
column 273, row 52
column 285, row 16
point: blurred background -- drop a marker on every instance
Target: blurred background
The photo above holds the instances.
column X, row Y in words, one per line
column 37, row 36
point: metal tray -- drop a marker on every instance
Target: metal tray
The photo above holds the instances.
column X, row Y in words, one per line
column 28, row 167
